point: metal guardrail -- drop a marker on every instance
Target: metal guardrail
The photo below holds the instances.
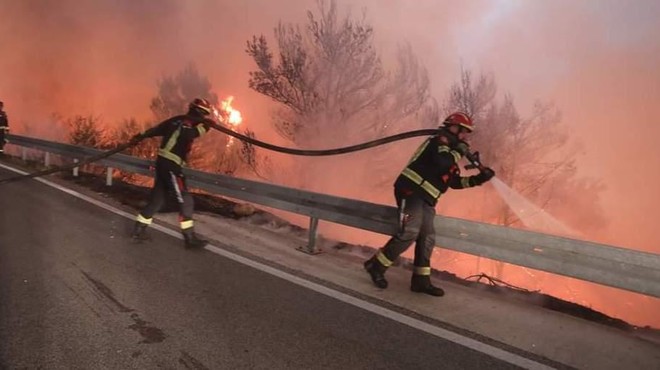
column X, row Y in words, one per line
column 599, row 263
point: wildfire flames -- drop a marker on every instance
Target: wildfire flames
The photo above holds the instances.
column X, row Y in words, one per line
column 228, row 116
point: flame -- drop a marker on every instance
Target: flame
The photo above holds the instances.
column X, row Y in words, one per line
column 228, row 115
column 233, row 116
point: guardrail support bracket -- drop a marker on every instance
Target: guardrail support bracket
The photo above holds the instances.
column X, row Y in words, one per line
column 108, row 177
column 75, row 169
column 311, row 248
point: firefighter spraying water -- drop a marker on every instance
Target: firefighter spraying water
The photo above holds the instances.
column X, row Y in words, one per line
column 431, row 171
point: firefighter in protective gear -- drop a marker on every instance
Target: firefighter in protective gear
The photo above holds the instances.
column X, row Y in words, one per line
column 178, row 134
column 4, row 127
column 431, row 171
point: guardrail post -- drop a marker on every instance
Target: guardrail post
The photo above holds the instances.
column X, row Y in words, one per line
column 47, row 159
column 24, row 154
column 311, row 245
column 108, row 177
column 75, row 169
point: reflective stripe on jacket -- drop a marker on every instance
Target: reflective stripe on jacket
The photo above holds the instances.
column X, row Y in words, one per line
column 178, row 134
column 433, row 169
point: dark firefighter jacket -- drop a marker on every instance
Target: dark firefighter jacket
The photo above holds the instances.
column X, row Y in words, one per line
column 432, row 170
column 178, row 134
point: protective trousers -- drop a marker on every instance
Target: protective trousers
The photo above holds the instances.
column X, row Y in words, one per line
column 417, row 227
column 169, row 178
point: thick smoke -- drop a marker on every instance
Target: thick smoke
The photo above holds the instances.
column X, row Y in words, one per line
column 597, row 60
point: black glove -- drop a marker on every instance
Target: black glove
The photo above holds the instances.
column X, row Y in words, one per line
column 485, row 175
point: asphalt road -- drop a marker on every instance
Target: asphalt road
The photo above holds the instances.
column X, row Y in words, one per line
column 75, row 293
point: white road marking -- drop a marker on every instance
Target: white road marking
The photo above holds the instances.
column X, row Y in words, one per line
column 392, row 315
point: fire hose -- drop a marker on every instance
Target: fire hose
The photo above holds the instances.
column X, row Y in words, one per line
column 473, row 158
column 325, row 152
column 250, row 140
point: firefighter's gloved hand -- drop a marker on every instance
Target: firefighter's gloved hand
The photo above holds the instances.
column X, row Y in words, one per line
column 485, row 175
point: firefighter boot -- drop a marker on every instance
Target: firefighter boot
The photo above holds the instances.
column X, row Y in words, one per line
column 422, row 284
column 139, row 233
column 377, row 272
column 191, row 241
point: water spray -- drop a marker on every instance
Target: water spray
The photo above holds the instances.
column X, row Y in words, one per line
column 531, row 215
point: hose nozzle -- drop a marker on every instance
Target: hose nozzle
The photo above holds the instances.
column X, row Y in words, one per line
column 475, row 161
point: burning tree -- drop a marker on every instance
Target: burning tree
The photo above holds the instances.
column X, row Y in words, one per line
column 126, row 130
column 122, row 134
column 85, row 131
column 531, row 154
column 214, row 152
column 333, row 87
